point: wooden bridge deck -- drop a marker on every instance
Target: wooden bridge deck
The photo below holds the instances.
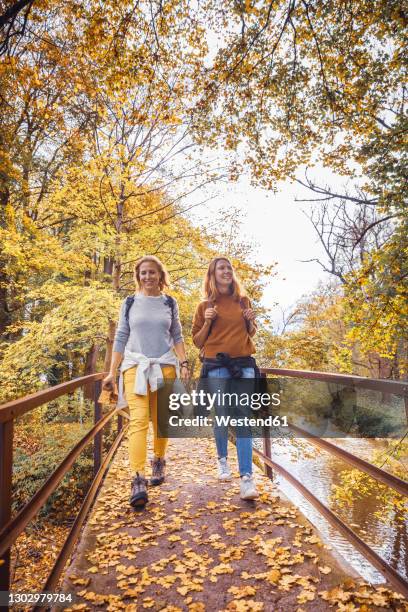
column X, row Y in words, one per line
column 198, row 547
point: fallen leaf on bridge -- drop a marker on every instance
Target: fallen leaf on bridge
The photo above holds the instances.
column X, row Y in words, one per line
column 305, row 596
column 148, row 602
column 335, row 595
column 196, row 607
column 222, row 568
column 273, row 576
column 128, row 571
column 241, row 592
column 245, row 606
column 313, row 540
column 233, row 552
column 132, row 592
column 80, row 581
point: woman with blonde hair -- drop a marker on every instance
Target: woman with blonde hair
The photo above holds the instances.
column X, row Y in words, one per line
column 149, row 343
column 223, row 327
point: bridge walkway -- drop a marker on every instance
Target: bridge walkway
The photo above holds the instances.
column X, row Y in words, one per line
column 198, row 547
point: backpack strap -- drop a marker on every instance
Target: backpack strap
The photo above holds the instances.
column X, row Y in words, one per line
column 244, row 303
column 129, row 303
column 209, row 304
column 169, row 301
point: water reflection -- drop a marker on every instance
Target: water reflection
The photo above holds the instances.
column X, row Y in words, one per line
column 318, row 470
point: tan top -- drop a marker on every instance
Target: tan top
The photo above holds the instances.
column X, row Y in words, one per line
column 229, row 332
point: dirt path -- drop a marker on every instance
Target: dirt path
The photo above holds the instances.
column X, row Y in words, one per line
column 198, row 547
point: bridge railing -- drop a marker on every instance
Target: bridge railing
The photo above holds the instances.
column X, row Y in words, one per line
column 12, row 527
column 401, row 486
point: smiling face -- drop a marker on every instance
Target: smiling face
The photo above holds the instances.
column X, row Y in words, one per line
column 223, row 273
column 220, row 279
column 149, row 277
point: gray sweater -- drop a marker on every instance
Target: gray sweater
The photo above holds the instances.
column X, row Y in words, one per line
column 151, row 329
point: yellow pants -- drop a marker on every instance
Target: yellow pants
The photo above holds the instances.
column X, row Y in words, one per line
column 141, row 407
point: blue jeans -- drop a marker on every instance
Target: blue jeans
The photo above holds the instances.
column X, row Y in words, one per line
column 244, row 444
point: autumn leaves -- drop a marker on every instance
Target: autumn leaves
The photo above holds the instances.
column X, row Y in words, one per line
column 193, row 553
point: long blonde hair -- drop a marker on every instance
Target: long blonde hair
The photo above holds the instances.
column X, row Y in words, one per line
column 164, row 275
column 210, row 291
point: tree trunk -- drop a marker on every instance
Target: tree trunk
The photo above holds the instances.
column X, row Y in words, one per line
column 108, row 265
column 112, row 324
column 90, row 368
column 109, row 345
column 112, row 266
column 4, row 310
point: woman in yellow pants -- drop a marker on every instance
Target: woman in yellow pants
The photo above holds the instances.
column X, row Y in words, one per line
column 141, row 409
column 149, row 343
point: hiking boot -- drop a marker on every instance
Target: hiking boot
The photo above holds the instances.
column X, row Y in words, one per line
column 158, row 469
column 138, row 496
column 224, row 472
column 248, row 487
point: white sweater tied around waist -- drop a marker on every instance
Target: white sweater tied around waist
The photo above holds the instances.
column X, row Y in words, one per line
column 148, row 372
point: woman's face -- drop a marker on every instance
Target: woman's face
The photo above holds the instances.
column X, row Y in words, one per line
column 149, row 276
column 223, row 273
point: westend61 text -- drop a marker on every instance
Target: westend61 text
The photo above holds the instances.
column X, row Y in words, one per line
column 255, row 401
column 226, row 420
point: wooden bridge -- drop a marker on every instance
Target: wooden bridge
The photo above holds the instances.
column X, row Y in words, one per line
column 197, row 546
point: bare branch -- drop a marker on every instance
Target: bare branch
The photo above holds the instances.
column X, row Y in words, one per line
column 8, row 20
column 372, row 225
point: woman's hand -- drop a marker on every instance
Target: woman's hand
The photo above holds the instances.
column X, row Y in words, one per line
column 108, row 382
column 184, row 373
column 210, row 314
column 249, row 314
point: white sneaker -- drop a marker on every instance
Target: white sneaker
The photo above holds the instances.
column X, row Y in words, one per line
column 248, row 487
column 224, row 472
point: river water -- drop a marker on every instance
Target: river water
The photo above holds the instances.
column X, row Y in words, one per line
column 318, row 471
column 361, row 413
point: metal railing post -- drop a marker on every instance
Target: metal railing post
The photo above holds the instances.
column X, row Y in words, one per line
column 120, row 423
column 120, row 417
column 97, row 417
column 267, row 447
column 6, row 471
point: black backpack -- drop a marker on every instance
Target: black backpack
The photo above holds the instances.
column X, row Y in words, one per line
column 169, row 301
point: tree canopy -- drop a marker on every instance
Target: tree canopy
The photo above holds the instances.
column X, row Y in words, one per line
column 118, row 118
